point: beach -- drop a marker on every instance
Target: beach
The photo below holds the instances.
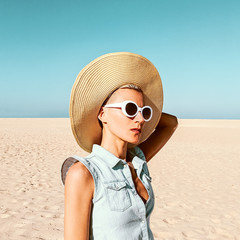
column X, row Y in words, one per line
column 195, row 177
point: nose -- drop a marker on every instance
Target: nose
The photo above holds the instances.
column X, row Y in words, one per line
column 139, row 117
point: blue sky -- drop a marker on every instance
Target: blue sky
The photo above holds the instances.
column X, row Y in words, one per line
column 195, row 45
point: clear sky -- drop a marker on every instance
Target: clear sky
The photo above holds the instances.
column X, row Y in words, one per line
column 194, row 44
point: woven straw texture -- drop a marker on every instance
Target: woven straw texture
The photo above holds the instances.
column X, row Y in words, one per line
column 102, row 76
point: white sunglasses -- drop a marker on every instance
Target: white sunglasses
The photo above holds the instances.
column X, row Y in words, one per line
column 131, row 109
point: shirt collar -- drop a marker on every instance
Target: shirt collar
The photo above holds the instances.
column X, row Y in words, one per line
column 111, row 160
column 137, row 162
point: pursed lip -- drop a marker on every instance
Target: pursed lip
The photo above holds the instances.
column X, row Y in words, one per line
column 136, row 130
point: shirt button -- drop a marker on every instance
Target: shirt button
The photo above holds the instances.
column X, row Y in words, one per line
column 125, row 165
column 143, row 221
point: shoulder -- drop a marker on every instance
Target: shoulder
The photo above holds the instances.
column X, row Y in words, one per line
column 79, row 178
column 78, row 172
column 81, row 166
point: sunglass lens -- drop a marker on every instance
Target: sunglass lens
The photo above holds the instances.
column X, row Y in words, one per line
column 146, row 113
column 131, row 109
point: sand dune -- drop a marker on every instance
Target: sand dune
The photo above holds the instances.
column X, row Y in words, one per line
column 196, row 179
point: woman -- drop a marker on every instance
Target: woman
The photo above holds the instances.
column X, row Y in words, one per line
column 108, row 194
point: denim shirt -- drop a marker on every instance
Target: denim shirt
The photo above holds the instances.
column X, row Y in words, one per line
column 118, row 211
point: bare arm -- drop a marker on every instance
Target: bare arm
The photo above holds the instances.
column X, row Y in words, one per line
column 79, row 190
column 164, row 130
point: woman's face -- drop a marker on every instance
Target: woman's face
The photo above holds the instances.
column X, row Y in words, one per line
column 117, row 125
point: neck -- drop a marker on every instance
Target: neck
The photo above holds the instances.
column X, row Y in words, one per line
column 116, row 146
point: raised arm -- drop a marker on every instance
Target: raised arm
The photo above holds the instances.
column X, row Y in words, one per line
column 164, row 130
column 79, row 191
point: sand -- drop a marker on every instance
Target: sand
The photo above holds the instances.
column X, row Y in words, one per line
column 196, row 180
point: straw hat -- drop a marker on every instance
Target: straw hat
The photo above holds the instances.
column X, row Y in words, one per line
column 98, row 79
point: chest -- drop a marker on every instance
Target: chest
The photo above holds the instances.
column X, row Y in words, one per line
column 122, row 188
column 139, row 186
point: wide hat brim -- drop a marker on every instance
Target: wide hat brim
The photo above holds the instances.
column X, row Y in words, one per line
column 101, row 77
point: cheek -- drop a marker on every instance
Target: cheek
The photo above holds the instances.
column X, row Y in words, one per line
column 118, row 122
column 120, row 125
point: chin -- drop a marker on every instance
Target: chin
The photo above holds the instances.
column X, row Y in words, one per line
column 134, row 141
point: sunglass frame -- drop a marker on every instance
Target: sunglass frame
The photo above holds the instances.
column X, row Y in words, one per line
column 123, row 105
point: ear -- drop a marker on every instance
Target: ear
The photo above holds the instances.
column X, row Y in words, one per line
column 101, row 116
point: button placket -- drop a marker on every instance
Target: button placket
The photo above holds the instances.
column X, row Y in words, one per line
column 140, row 204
